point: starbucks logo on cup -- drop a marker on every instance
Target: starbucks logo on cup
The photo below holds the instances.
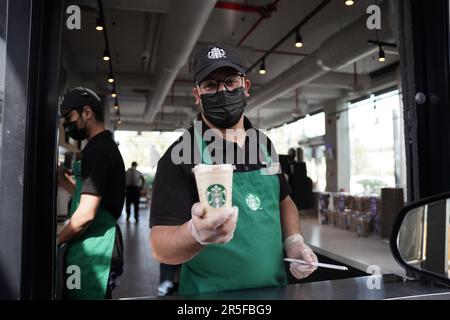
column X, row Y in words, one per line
column 216, row 195
column 253, row 201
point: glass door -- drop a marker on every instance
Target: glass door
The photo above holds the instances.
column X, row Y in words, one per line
column 30, row 33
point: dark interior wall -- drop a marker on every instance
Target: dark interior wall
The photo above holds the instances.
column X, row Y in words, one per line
column 13, row 138
column 39, row 213
column 28, row 148
column 424, row 31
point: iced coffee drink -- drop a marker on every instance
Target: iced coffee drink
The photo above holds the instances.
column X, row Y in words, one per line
column 214, row 185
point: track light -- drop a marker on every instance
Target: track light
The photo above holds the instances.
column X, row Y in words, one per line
column 349, row 2
column 99, row 26
column 262, row 68
column 298, row 40
column 381, row 54
column 110, row 78
column 114, row 93
column 116, row 105
column 106, row 55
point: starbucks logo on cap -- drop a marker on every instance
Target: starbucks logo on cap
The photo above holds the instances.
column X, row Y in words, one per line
column 253, row 201
column 216, row 195
column 216, row 53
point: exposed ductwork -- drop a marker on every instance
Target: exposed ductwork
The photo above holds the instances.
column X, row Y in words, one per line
column 170, row 117
column 157, row 6
column 340, row 80
column 341, row 49
column 161, row 6
column 181, row 31
column 154, row 126
column 133, row 107
column 154, row 26
column 143, row 81
column 287, row 116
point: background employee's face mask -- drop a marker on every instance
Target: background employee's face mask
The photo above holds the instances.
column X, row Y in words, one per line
column 225, row 108
column 72, row 130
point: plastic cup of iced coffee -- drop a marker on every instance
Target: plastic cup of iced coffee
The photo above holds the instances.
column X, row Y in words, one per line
column 214, row 185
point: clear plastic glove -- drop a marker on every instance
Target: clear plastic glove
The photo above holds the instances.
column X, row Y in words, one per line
column 297, row 249
column 216, row 228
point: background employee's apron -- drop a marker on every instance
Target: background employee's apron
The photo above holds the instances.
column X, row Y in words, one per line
column 254, row 257
column 91, row 251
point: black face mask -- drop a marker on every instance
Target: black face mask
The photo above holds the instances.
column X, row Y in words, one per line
column 74, row 132
column 225, row 108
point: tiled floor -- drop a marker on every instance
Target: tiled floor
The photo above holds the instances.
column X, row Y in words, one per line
column 141, row 272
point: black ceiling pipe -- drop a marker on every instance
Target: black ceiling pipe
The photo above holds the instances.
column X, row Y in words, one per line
column 305, row 20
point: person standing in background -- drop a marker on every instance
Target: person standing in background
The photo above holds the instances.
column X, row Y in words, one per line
column 135, row 182
column 97, row 189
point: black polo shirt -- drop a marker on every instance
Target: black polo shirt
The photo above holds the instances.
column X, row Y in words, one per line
column 174, row 187
column 103, row 172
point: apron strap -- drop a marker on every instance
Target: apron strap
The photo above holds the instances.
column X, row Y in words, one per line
column 265, row 153
column 201, row 145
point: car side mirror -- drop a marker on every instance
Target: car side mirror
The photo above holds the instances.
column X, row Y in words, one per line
column 420, row 240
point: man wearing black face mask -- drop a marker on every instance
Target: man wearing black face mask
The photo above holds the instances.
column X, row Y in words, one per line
column 225, row 251
column 98, row 194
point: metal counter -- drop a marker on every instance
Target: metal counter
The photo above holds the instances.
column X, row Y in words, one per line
column 390, row 287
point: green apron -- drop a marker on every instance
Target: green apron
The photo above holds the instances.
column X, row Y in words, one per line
column 254, row 257
column 91, row 251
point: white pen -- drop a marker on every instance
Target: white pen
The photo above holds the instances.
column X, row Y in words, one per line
column 323, row 265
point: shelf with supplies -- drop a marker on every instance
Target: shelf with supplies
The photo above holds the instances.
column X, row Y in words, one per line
column 362, row 215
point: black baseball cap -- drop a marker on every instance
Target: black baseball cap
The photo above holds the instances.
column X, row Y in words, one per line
column 76, row 99
column 214, row 57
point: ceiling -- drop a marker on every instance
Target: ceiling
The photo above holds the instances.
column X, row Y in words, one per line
column 152, row 42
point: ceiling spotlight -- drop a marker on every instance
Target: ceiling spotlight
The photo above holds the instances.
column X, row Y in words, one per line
column 106, row 56
column 119, row 122
column 116, row 105
column 110, row 78
column 349, row 2
column 298, row 40
column 381, row 54
column 114, row 93
column 99, row 26
column 262, row 68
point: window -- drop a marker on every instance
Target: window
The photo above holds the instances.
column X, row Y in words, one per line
column 292, row 134
column 316, row 166
column 376, row 140
column 306, row 133
column 145, row 148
